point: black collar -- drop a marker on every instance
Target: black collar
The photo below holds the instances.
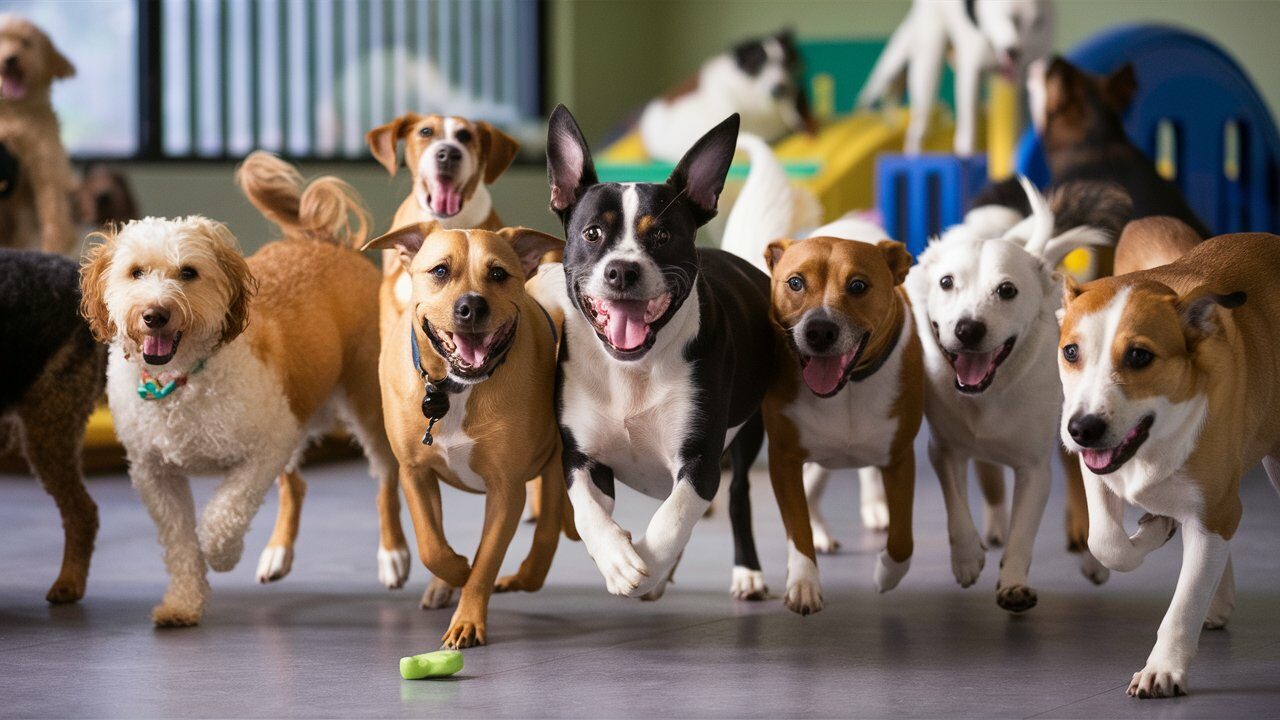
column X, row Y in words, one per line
column 869, row 370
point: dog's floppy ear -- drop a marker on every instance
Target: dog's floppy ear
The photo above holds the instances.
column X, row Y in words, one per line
column 898, row 259
column 1120, row 87
column 406, row 239
column 701, row 172
column 59, row 66
column 93, row 285
column 384, row 139
column 570, row 170
column 775, row 250
column 243, row 286
column 531, row 246
column 499, row 150
column 1198, row 309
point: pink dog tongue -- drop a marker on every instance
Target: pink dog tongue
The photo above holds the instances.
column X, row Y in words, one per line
column 156, row 346
column 472, row 349
column 1099, row 459
column 972, row 368
column 626, row 328
column 12, row 88
column 446, row 200
column 822, row 374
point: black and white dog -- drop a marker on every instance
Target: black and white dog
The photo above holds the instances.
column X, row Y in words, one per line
column 666, row 356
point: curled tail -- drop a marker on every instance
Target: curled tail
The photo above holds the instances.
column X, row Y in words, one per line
column 1076, row 214
column 326, row 209
column 768, row 208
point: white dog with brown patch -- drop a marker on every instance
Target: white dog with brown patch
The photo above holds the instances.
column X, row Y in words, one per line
column 1169, row 376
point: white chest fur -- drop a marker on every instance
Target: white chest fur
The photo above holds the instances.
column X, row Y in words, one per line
column 231, row 410
column 854, row 427
column 454, row 445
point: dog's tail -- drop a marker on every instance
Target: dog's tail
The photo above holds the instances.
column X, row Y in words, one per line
column 768, row 208
column 1081, row 213
column 326, row 209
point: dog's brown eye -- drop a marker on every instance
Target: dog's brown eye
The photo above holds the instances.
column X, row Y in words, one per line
column 440, row 272
column 947, row 282
column 592, row 234
column 188, row 273
column 425, row 132
column 1007, row 290
column 498, row 274
column 1136, row 358
column 796, row 283
column 858, row 286
column 136, row 273
column 1071, row 353
column 463, row 136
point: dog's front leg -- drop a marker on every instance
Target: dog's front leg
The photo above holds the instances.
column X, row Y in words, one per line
column 226, row 518
column 668, row 532
column 1204, row 558
column 900, row 491
column 503, row 505
column 1107, row 539
column 968, row 556
column 1030, row 495
column 970, row 51
column 929, row 40
column 546, row 533
column 786, row 461
column 166, row 493
column 591, row 493
column 451, row 570
column 53, row 188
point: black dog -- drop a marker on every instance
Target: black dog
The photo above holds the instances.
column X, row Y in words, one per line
column 666, row 355
column 51, row 375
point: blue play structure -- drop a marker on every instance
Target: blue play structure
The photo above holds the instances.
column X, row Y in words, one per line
column 1225, row 148
column 921, row 196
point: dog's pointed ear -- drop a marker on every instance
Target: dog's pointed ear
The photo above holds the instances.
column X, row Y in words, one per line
column 531, row 246
column 775, row 250
column 385, row 139
column 1198, row 310
column 93, row 285
column 1120, row 87
column 570, row 170
column 700, row 174
column 898, row 259
column 406, row 240
column 499, row 149
column 60, row 67
column 1071, row 289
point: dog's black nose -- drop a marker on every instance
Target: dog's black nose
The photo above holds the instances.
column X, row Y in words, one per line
column 471, row 309
column 1087, row 429
column 821, row 334
column 155, row 317
column 621, row 275
column 447, row 155
column 970, row 332
column 11, row 62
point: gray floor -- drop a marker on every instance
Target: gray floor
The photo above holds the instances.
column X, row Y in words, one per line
column 326, row 640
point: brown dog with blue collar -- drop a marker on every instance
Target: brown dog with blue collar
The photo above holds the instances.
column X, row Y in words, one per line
column 468, row 374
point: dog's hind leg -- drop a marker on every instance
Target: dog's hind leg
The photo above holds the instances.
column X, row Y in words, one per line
column 872, row 502
column 167, row 496
column 1030, row 495
column 363, row 416
column 1078, row 520
column 967, row 554
column 546, row 534
column 900, row 491
column 929, row 43
column 277, row 557
column 748, row 579
column 995, row 516
column 226, row 518
column 1271, row 464
column 815, row 486
column 1224, row 600
column 891, row 63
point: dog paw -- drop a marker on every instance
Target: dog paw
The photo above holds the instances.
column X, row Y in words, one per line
column 804, row 596
column 393, row 567
column 520, row 581
column 438, row 594
column 875, row 515
column 967, row 561
column 622, row 567
column 747, row 584
column 65, row 590
column 1016, row 598
column 1092, row 569
column 223, row 553
column 823, row 543
column 1158, row 680
column 889, row 572
column 463, row 634
column 997, row 528
column 274, row 563
column 1153, row 532
column 656, row 593
column 169, row 614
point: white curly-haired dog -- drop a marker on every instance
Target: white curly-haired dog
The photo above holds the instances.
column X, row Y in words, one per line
column 222, row 365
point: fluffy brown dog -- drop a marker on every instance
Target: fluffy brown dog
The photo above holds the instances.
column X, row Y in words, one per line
column 476, row 351
column 37, row 212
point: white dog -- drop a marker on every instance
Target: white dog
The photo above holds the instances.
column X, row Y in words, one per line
column 985, row 306
column 983, row 35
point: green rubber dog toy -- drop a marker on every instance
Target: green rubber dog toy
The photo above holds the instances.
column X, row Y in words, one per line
column 441, row 663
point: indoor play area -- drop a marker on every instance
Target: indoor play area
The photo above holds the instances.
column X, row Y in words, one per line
column 666, row 358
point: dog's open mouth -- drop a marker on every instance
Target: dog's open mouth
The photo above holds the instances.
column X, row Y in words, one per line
column 827, row 374
column 974, row 370
column 472, row 356
column 13, row 84
column 444, row 196
column 1106, row 460
column 626, row 325
column 160, row 349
